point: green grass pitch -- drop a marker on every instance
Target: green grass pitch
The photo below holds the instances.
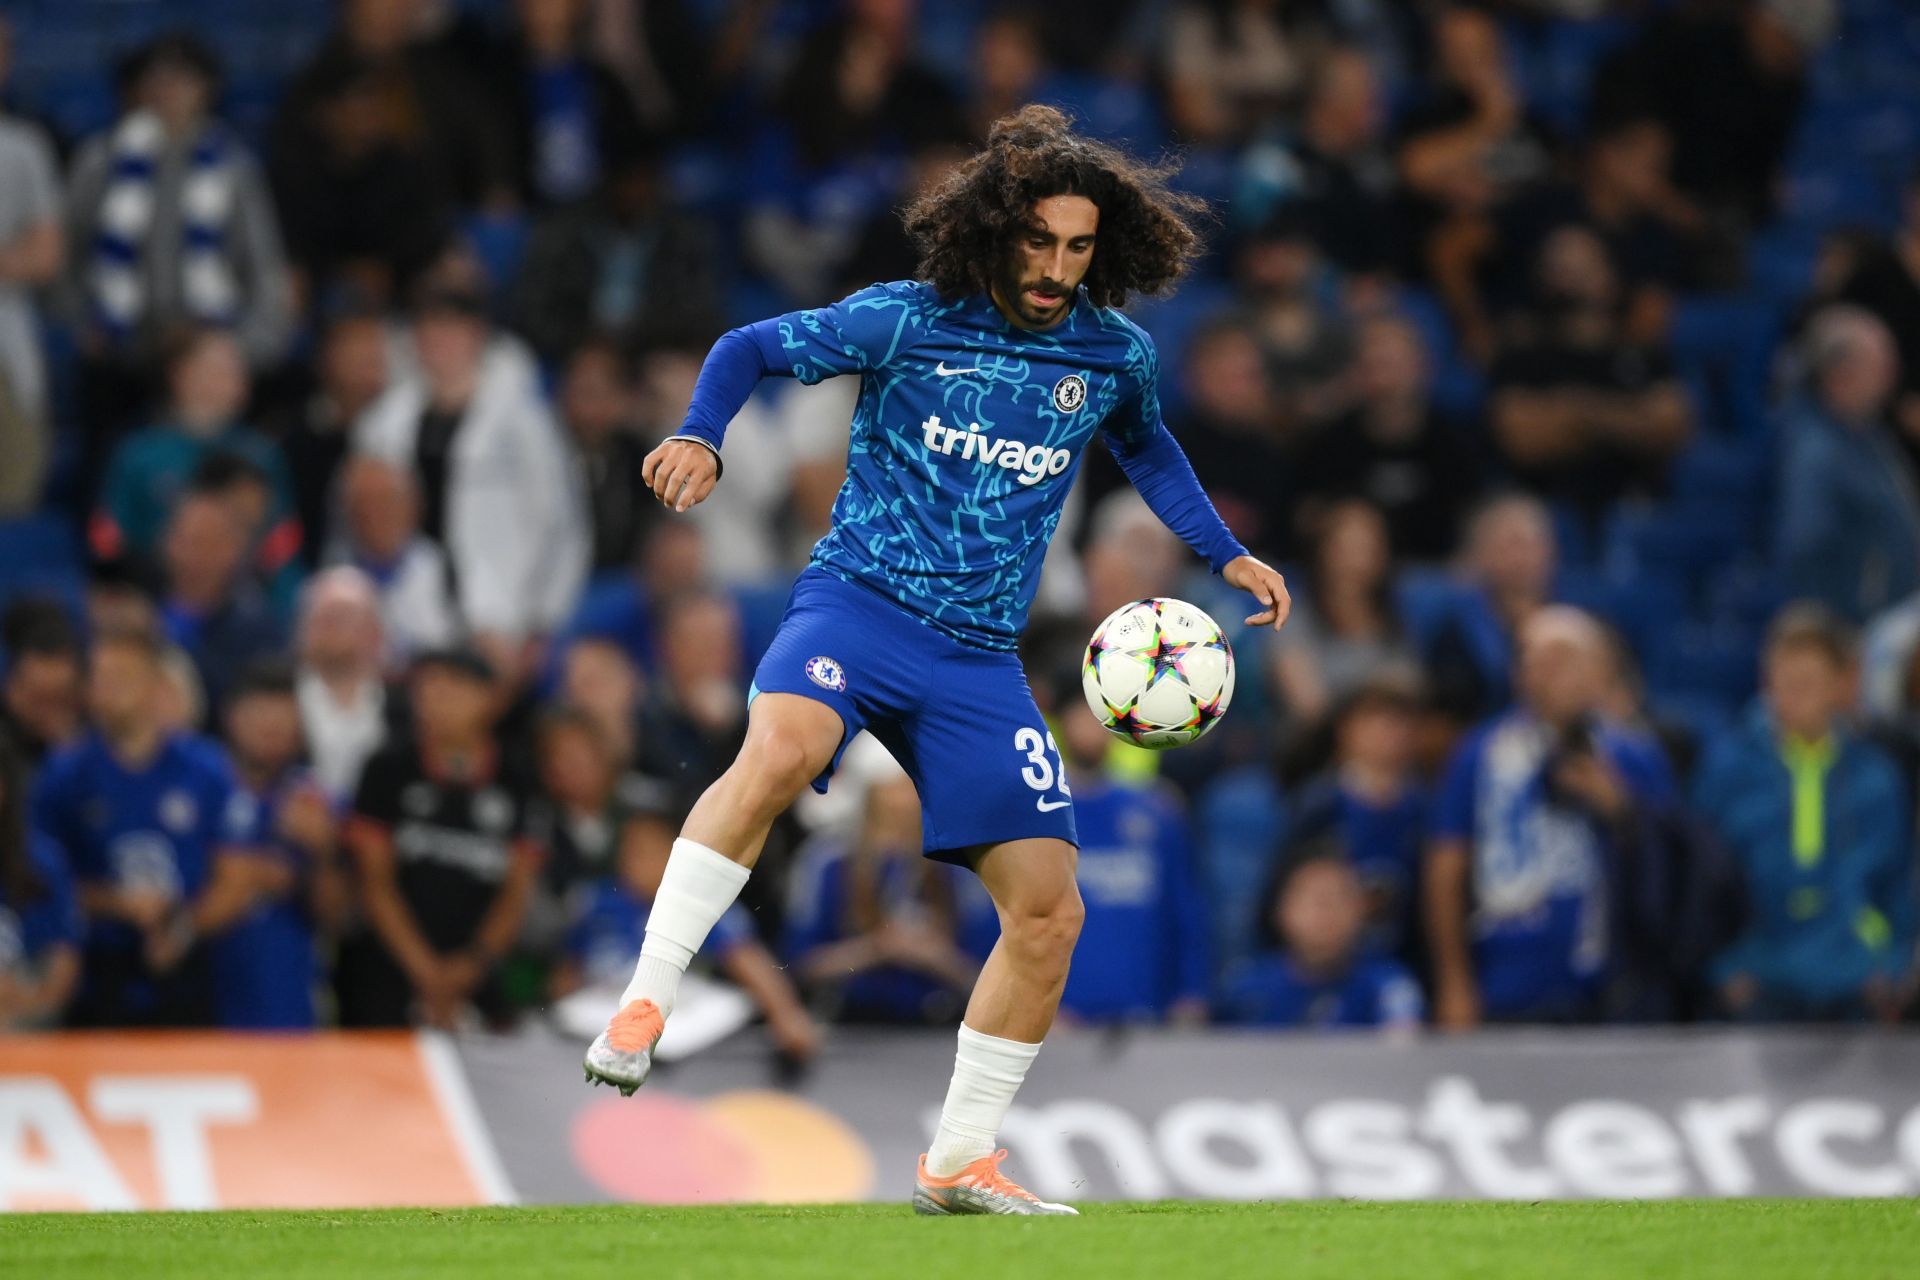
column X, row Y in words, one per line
column 1741, row 1240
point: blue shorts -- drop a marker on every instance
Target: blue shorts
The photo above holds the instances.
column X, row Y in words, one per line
column 959, row 719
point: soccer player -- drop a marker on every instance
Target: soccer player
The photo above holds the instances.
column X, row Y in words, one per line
column 981, row 383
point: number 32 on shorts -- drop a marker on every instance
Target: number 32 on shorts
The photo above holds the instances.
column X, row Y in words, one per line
column 1040, row 773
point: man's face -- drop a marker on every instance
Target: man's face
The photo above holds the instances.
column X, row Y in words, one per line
column 340, row 634
column 1048, row 262
column 122, row 680
column 1561, row 674
column 593, row 397
column 43, row 693
column 380, row 507
column 353, row 365
column 449, row 346
column 204, row 546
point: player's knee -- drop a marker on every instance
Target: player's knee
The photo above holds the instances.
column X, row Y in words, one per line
column 1044, row 932
column 776, row 766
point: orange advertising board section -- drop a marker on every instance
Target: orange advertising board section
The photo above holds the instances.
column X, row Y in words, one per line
column 182, row 1121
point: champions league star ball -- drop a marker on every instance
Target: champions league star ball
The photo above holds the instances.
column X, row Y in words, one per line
column 1158, row 673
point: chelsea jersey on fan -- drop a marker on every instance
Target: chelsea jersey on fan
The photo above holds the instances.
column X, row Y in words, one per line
column 965, row 441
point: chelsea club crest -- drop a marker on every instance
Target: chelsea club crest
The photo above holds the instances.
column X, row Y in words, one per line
column 827, row 673
column 1069, row 393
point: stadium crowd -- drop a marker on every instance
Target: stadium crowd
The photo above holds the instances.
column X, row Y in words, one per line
column 1566, row 352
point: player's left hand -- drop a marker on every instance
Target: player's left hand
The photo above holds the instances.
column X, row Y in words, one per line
column 1264, row 583
column 680, row 472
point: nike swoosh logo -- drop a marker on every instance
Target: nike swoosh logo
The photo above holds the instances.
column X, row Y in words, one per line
column 945, row 372
column 1048, row 806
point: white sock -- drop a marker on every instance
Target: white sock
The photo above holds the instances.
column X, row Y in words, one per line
column 695, row 891
column 987, row 1072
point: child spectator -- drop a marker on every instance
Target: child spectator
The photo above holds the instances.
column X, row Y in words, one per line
column 1818, row 822
column 150, row 823
column 1371, row 807
column 266, row 967
column 1316, row 973
column 40, row 696
column 446, row 863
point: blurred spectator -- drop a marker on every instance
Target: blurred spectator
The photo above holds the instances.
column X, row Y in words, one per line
column 1232, row 432
column 870, row 923
column 1393, row 448
column 1508, row 565
column 273, row 538
column 211, row 607
column 604, row 940
column 588, row 798
column 1467, row 145
column 1130, row 555
column 376, row 143
column 40, row 926
column 1316, row 972
column 596, row 407
column 206, row 395
column 149, row 822
column 267, row 966
column 1535, row 815
column 1231, row 64
column 1580, row 411
column 1334, row 168
column 695, row 715
column 1623, row 193
column 316, row 434
column 856, row 99
column 1007, row 70
column 342, row 695
column 40, row 699
column 598, row 679
column 624, row 263
column 1684, row 67
column 1143, row 950
column 1849, row 520
column 1370, row 808
column 1307, row 341
column 31, row 251
column 1345, row 626
column 569, row 120
column 741, row 520
column 1885, row 279
column 496, row 491
column 178, row 231
column 625, row 610
column 446, row 864
column 380, row 536
column 1817, row 820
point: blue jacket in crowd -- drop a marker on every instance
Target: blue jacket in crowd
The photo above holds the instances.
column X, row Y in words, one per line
column 1849, row 535
column 1831, row 893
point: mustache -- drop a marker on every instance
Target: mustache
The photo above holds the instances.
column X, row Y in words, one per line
column 1051, row 287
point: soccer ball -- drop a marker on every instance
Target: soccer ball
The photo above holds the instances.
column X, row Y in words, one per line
column 1158, row 673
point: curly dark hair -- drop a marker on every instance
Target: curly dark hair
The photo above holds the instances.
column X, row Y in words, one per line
column 964, row 225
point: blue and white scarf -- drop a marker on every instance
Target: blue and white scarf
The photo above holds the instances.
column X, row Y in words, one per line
column 117, row 284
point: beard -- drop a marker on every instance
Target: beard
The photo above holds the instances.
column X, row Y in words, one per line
column 1018, row 293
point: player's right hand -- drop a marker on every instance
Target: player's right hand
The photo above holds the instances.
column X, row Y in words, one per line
column 681, row 473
